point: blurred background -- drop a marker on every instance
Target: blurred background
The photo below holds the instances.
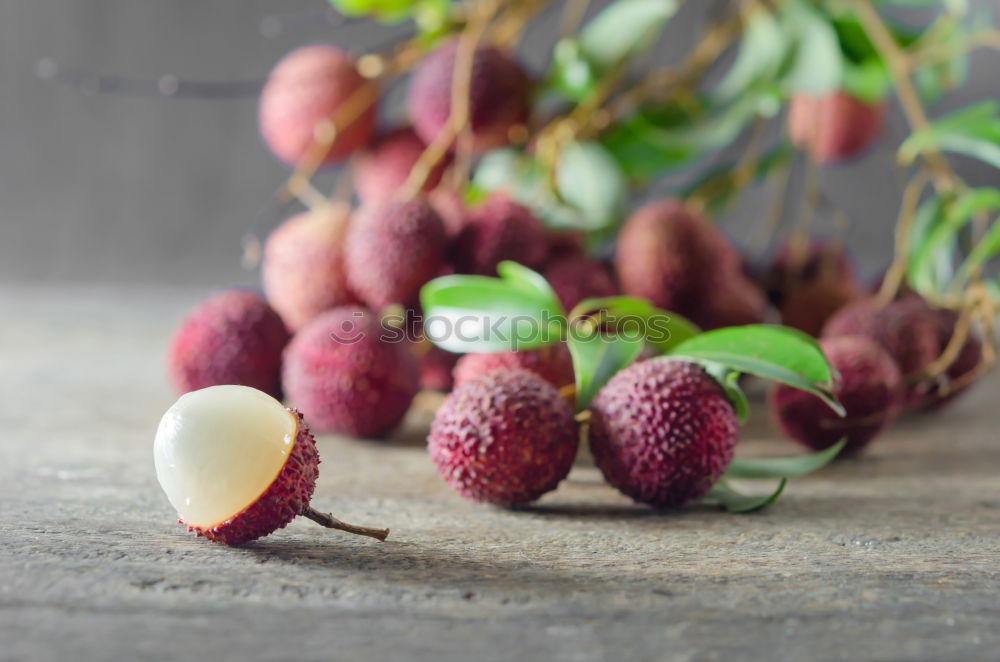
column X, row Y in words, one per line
column 99, row 188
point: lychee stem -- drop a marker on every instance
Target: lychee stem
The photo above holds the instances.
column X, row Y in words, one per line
column 331, row 522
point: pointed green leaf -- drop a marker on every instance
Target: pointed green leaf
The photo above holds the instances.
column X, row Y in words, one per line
column 736, row 502
column 783, row 467
column 481, row 314
column 772, row 352
column 762, row 50
column 624, row 28
column 637, row 317
column 589, row 179
column 817, row 62
column 596, row 359
column 973, row 131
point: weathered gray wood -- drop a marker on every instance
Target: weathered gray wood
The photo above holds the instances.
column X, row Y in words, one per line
column 889, row 557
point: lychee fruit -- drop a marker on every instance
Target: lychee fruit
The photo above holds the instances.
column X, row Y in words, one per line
column 666, row 254
column 678, row 261
column 729, row 299
column 663, row 432
column 505, row 438
column 449, row 206
column 498, row 230
column 800, row 262
column 835, row 127
column 808, row 307
column 303, row 266
column 237, row 465
column 498, row 95
column 869, row 387
column 906, row 329
column 957, row 378
column 383, row 168
column 552, row 363
column 308, row 87
column 346, row 372
column 391, row 249
column 232, row 337
column 578, row 277
column 436, row 366
column 564, row 244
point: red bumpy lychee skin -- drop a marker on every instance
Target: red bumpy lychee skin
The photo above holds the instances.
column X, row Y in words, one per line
column 310, row 86
column 869, row 387
column 285, row 499
column 498, row 95
column 678, row 261
column 552, row 363
column 392, row 248
column 662, row 432
column 352, row 380
column 906, row 329
column 383, row 168
column 578, row 277
column 505, row 438
column 498, row 230
column 833, row 128
column 303, row 267
column 233, row 337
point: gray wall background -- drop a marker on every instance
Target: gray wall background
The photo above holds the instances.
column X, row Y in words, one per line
column 111, row 188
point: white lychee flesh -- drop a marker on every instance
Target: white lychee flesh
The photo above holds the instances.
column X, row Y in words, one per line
column 218, row 449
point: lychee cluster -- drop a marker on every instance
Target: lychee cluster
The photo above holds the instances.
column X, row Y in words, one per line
column 661, row 431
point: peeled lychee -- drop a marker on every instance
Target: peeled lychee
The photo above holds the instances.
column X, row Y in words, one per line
column 391, row 249
column 552, row 363
column 578, row 277
column 237, row 465
column 833, row 128
column 662, row 431
column 498, row 95
column 906, row 329
column 307, row 88
column 498, row 230
column 303, row 267
column 505, row 438
column 344, row 370
column 233, row 337
column 869, row 387
column 383, row 168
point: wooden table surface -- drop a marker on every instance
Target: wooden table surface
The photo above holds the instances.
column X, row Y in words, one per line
column 893, row 556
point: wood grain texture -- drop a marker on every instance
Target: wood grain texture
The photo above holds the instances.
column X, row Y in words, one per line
column 893, row 556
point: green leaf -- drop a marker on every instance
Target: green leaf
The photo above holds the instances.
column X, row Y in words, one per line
column 972, row 131
column 729, row 380
column 635, row 318
column 783, row 467
column 924, row 270
column 817, row 62
column 624, row 28
column 479, row 314
column 929, row 272
column 736, row 502
column 717, row 186
column 656, row 141
column 572, row 74
column 390, row 11
column 597, row 358
column 589, row 179
column 763, row 48
column 986, row 249
column 772, row 352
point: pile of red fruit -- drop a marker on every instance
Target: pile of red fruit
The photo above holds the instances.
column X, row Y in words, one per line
column 662, row 431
